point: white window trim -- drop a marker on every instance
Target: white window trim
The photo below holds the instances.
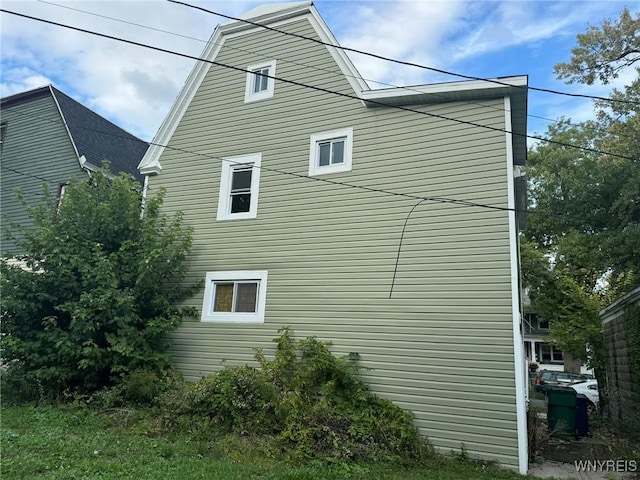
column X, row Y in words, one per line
column 224, row 198
column 208, row 315
column 314, row 168
column 249, row 95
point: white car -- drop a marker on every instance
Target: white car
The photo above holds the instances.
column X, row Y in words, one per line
column 589, row 389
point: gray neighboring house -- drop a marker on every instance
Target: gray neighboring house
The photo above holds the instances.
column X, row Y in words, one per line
column 268, row 174
column 48, row 136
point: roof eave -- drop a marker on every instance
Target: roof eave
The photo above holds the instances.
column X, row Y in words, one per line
column 269, row 17
column 516, row 88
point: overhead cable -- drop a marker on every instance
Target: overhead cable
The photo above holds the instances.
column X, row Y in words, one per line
column 400, row 62
column 312, row 87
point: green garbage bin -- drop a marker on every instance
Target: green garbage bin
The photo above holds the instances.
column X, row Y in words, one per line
column 561, row 410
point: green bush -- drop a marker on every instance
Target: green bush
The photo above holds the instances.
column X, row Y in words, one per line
column 306, row 402
column 97, row 301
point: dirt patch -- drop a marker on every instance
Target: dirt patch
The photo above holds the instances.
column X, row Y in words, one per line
column 568, row 451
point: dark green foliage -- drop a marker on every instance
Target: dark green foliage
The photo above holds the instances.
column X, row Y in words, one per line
column 580, row 252
column 631, row 425
column 234, row 400
column 96, row 301
column 309, row 403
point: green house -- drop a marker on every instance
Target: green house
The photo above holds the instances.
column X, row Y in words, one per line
column 48, row 137
column 383, row 220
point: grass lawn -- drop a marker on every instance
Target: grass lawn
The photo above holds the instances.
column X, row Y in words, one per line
column 68, row 443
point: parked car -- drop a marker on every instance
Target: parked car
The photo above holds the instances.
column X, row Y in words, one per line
column 552, row 377
column 589, row 389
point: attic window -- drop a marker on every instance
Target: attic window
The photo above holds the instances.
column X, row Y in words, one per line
column 260, row 84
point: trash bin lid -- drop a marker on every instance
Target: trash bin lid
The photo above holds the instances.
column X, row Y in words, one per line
column 561, row 396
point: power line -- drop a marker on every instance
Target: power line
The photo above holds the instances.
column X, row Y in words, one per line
column 418, row 198
column 291, row 62
column 253, row 52
column 320, row 89
column 378, row 82
column 400, row 62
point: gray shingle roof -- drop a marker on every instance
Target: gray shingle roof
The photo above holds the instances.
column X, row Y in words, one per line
column 98, row 139
column 94, row 136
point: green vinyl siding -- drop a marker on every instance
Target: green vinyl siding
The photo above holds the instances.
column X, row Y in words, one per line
column 37, row 148
column 442, row 345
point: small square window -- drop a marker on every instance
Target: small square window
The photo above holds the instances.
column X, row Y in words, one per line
column 330, row 152
column 239, row 186
column 260, row 82
column 235, row 296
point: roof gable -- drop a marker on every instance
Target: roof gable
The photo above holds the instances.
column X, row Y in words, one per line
column 93, row 137
column 273, row 15
column 97, row 139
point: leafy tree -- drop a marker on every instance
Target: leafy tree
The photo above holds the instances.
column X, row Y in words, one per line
column 97, row 297
column 583, row 249
column 603, row 52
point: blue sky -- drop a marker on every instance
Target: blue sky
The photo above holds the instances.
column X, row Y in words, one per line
column 135, row 87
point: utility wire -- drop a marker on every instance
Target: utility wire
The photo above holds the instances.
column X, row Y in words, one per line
column 400, row 62
column 291, row 62
column 264, row 55
column 415, row 197
column 320, row 89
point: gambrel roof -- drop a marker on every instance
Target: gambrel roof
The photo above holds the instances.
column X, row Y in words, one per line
column 277, row 14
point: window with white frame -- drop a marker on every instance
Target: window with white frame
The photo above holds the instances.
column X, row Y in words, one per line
column 330, row 152
column 260, row 81
column 235, row 296
column 239, row 187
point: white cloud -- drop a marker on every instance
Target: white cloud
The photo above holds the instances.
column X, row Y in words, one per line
column 21, row 79
column 135, row 87
column 411, row 31
column 131, row 85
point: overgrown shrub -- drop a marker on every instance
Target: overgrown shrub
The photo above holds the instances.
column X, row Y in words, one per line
column 237, row 399
column 96, row 300
column 307, row 402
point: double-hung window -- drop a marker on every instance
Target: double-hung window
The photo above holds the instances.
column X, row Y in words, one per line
column 235, row 296
column 239, row 187
column 260, row 82
column 240, row 201
column 330, row 152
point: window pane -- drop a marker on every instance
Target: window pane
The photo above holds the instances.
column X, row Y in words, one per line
column 256, row 81
column 241, row 179
column 260, row 82
column 338, row 152
column 264, row 84
column 324, row 154
column 556, row 354
column 224, row 297
column 240, row 202
column 246, row 297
